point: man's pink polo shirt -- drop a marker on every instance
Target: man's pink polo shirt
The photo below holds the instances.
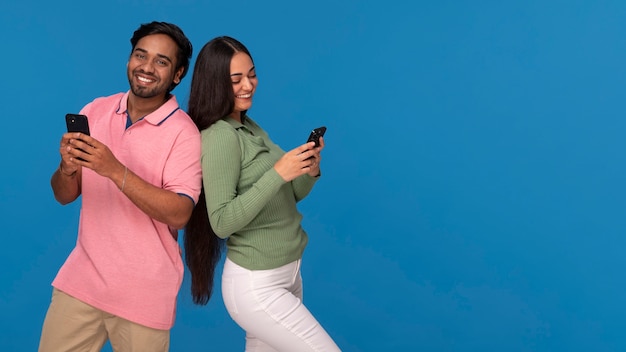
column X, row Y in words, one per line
column 124, row 262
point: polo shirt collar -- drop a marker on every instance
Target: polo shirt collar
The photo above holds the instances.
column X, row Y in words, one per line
column 156, row 117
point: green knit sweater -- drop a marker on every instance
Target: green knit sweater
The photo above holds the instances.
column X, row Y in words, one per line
column 247, row 201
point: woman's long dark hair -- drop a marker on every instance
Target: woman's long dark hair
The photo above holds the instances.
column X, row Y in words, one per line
column 203, row 250
column 211, row 98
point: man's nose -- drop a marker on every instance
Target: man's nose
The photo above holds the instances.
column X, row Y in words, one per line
column 147, row 66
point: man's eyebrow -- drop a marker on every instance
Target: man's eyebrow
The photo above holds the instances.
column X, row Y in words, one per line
column 159, row 55
column 165, row 57
column 240, row 74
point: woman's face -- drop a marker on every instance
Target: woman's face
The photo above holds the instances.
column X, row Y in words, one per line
column 244, row 79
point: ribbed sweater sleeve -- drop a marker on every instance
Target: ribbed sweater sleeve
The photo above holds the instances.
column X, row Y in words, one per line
column 228, row 210
column 302, row 186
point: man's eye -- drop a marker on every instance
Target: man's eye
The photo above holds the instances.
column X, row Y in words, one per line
column 162, row 62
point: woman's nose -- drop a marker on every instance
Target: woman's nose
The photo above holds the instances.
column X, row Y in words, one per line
column 246, row 83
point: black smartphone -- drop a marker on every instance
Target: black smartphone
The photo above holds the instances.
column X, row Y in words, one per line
column 77, row 123
column 316, row 134
column 315, row 137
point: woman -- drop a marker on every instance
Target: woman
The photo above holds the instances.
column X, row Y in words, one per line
column 251, row 188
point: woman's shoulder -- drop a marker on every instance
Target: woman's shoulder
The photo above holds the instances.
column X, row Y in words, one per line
column 219, row 126
column 219, row 130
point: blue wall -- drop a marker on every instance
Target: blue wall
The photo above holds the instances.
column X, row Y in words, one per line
column 472, row 197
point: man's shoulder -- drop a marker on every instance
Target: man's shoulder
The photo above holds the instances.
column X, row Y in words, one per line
column 180, row 117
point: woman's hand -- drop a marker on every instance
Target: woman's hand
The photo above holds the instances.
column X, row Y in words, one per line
column 314, row 167
column 304, row 159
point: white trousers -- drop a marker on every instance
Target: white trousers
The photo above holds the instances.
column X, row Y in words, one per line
column 267, row 304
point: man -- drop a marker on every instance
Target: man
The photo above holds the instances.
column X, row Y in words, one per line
column 139, row 178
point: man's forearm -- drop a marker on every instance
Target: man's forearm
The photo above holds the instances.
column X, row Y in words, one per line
column 160, row 204
column 66, row 187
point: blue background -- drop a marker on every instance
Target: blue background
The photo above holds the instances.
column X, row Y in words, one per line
column 473, row 195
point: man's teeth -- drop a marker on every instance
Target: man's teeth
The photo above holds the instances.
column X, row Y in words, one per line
column 145, row 79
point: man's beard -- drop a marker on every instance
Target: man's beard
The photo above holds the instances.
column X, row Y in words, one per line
column 144, row 92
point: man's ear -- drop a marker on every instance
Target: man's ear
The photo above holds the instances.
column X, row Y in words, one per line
column 178, row 74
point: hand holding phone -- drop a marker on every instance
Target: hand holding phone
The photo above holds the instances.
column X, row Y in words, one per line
column 315, row 137
column 77, row 123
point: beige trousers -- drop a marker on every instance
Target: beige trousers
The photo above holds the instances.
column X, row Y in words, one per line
column 71, row 325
